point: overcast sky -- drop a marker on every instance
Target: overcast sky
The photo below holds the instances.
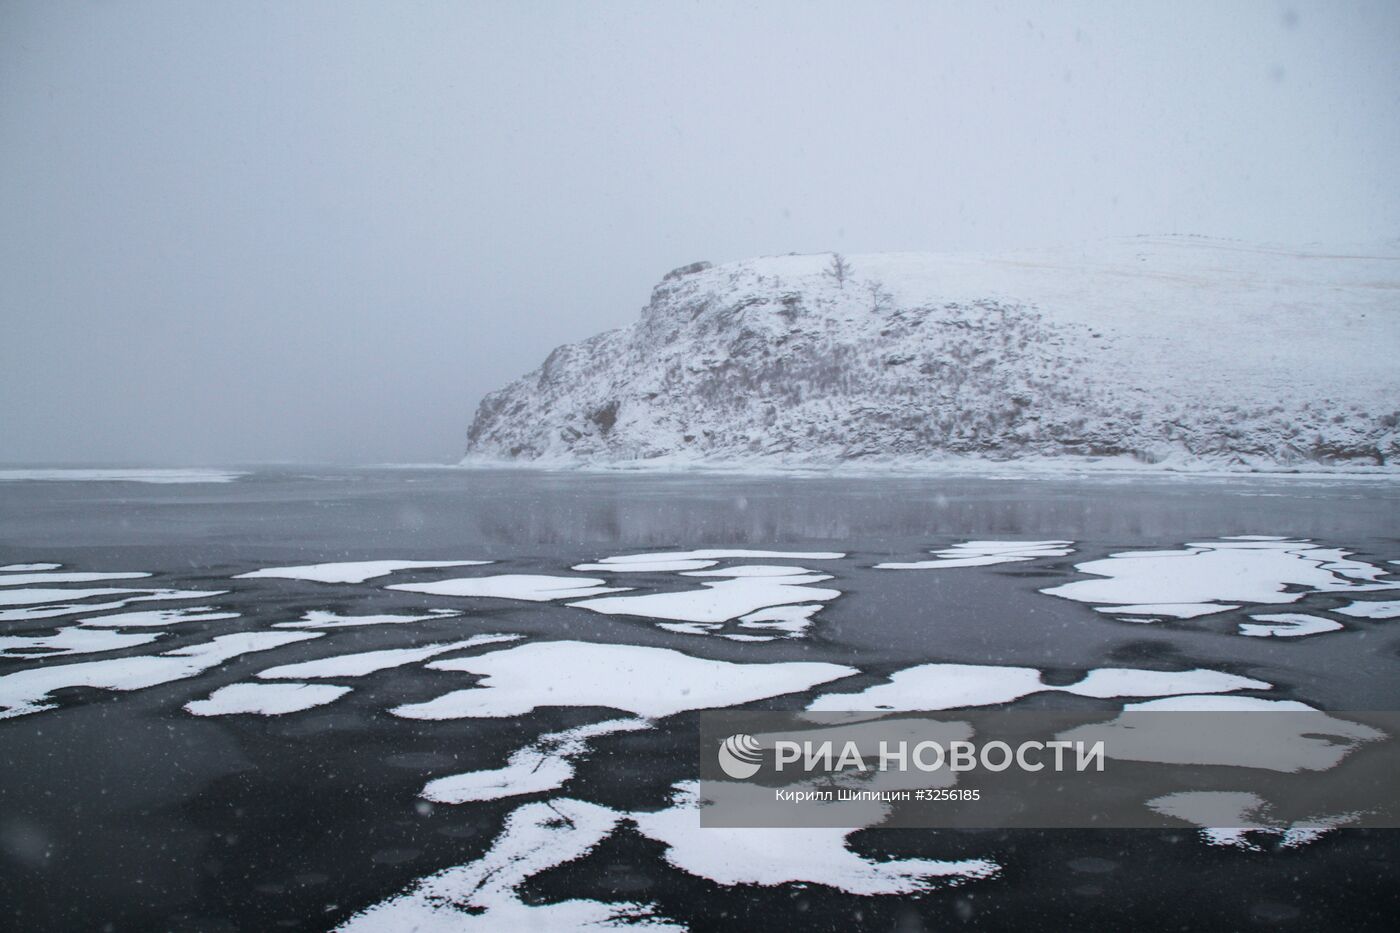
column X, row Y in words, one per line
column 240, row 231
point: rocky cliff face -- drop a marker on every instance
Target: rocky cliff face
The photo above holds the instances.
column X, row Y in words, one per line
column 1174, row 351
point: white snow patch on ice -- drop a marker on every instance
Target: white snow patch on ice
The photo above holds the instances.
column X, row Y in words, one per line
column 754, row 570
column 368, row 662
column 355, row 571
column 265, row 699
column 955, row 686
column 545, row 764
column 482, row 895
column 27, row 691
column 790, row 620
column 768, row 857
column 1226, row 817
column 319, row 619
column 985, row 553
column 720, row 601
column 713, row 554
column 66, row 576
column 38, row 595
column 1287, row 625
column 532, row 587
column 649, row 682
column 690, row 628
column 1368, row 609
column 660, row 566
column 69, row 641
column 155, row 617
column 68, row 609
column 1199, row 578
column 1288, row 744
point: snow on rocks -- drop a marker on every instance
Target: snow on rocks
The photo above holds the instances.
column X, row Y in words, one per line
column 357, row 571
column 1112, row 354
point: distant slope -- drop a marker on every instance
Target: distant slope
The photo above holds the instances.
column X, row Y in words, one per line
column 1169, row 351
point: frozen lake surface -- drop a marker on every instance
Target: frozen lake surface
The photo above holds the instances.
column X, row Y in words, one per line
column 381, row 699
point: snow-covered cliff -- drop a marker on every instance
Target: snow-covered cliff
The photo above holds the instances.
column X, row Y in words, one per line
column 1168, row 350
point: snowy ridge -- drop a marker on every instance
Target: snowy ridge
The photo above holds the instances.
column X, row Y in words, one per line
column 1175, row 352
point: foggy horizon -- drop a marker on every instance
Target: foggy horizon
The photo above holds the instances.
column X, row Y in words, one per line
column 254, row 233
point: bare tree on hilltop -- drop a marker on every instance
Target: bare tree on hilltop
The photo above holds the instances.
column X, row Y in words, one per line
column 840, row 269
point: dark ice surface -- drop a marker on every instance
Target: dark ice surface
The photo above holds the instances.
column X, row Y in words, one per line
column 120, row 811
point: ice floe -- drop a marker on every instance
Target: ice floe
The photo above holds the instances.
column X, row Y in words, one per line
column 538, row 588
column 27, row 691
column 69, row 641
column 38, row 595
column 1287, row 625
column 159, row 476
column 318, row 619
column 788, row 620
column 33, row 611
column 355, row 571
column 1306, row 740
column 543, row 765
column 986, row 553
column 956, row 686
column 368, row 662
column 64, row 576
column 659, row 566
column 649, row 682
column 19, row 568
column 482, row 895
column 157, row 617
column 1214, row 576
column 1227, row 818
column 721, row 600
column 1371, row 609
column 753, row 570
column 773, row 856
column 265, row 699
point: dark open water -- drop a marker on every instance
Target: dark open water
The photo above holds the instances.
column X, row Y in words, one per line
column 120, row 811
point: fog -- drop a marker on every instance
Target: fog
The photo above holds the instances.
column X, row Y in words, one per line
column 238, row 232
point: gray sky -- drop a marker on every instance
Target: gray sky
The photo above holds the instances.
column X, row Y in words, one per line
column 321, row 231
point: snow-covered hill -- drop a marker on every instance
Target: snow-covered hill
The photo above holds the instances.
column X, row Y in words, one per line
column 1176, row 351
